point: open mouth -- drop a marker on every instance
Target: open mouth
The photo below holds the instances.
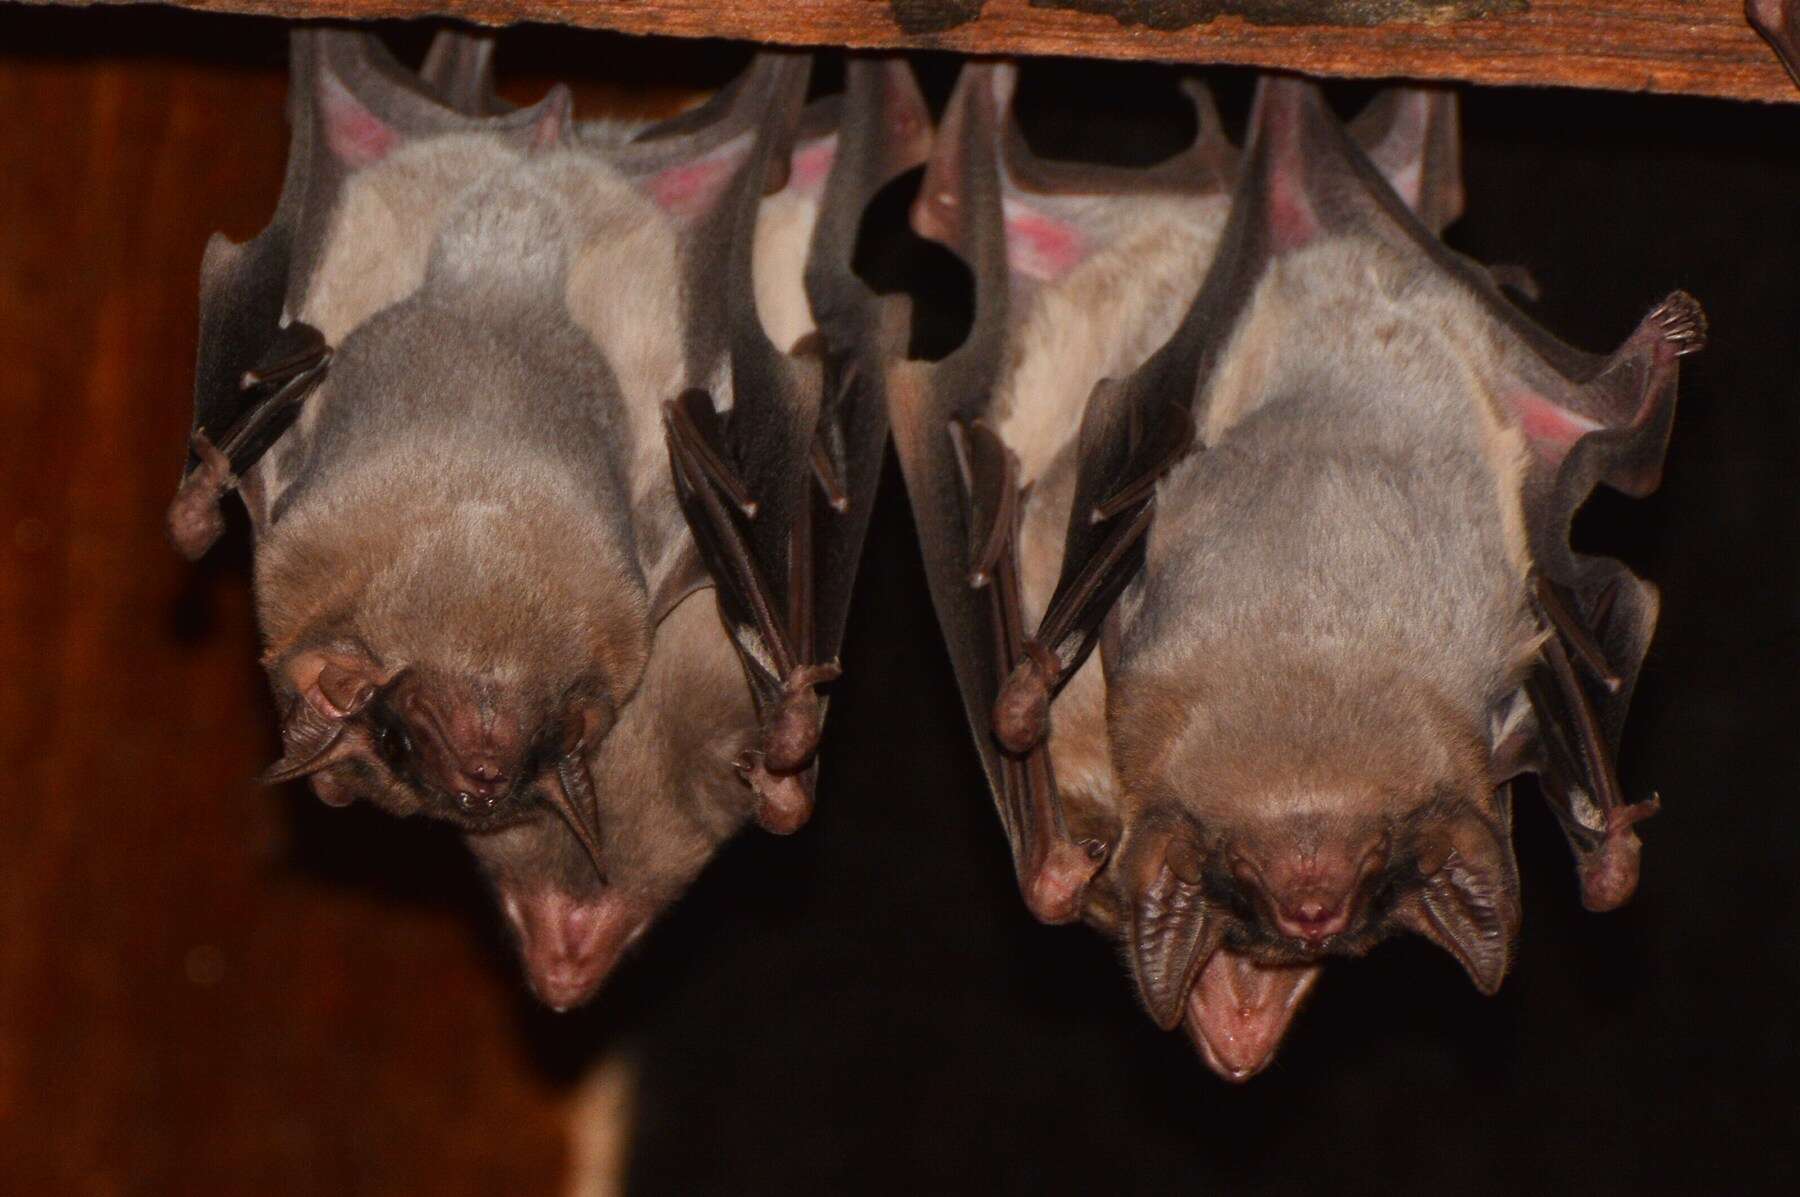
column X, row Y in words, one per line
column 570, row 945
column 1239, row 1010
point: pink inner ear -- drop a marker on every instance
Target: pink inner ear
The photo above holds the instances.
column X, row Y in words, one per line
column 1552, row 430
column 552, row 125
column 1292, row 221
column 812, row 165
column 1409, row 181
column 692, row 188
column 355, row 136
column 1039, row 246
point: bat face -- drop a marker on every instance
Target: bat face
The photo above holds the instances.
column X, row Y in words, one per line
column 553, row 540
column 573, row 914
column 1318, row 534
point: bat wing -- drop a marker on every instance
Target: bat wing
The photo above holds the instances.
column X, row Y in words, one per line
column 778, row 489
column 350, row 104
column 884, row 130
column 1016, row 220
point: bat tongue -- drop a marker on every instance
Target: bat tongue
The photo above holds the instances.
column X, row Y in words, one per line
column 569, row 944
column 1239, row 1011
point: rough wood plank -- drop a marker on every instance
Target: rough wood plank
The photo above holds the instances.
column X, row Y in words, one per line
column 1697, row 47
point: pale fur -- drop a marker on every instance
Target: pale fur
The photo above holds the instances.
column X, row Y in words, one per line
column 1102, row 319
column 623, row 285
column 1334, row 586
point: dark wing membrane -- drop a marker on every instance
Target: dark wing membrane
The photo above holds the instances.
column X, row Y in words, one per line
column 962, row 479
column 255, row 365
column 883, row 131
column 957, row 475
column 799, row 453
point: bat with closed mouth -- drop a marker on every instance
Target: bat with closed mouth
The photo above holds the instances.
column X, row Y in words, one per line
column 558, row 440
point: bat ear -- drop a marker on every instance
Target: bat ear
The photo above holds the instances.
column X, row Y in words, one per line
column 1468, row 903
column 687, row 164
column 332, row 686
column 1411, row 134
column 1170, row 932
column 366, row 104
column 336, row 682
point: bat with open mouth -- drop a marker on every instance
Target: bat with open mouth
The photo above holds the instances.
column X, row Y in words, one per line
column 1304, row 478
column 558, row 439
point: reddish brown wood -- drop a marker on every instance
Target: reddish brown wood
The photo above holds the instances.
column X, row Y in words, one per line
column 1699, row 47
column 182, row 1007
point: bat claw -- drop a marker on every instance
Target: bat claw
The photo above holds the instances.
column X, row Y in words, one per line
column 1609, row 874
column 1680, row 323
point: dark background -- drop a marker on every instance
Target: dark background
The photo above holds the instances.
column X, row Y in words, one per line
column 207, row 987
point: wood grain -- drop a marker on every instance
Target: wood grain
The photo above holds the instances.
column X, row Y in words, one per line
column 1698, row 47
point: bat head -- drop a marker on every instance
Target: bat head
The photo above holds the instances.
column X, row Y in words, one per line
column 665, row 792
column 1286, row 815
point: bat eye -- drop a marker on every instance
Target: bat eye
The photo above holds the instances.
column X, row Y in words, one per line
column 392, row 741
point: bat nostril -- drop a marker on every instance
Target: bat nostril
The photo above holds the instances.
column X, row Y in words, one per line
column 483, row 780
column 1313, row 920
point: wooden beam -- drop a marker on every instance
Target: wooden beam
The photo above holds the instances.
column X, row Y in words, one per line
column 1695, row 47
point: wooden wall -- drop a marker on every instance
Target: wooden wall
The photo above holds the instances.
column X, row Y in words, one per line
column 203, row 986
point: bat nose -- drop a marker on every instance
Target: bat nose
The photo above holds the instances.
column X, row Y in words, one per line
column 480, row 784
column 1313, row 919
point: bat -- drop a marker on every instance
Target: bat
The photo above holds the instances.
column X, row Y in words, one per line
column 1779, row 23
column 558, row 441
column 1307, row 489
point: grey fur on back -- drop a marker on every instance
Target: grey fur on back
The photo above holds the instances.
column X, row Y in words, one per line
column 1361, row 506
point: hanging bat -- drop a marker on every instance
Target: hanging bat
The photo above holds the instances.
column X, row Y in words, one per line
column 1779, row 23
column 558, row 442
column 1308, row 491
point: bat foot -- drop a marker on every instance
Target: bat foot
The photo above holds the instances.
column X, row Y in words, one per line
column 793, row 735
column 784, row 802
column 1609, row 874
column 194, row 522
column 1054, row 890
column 1022, row 711
column 1678, row 324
